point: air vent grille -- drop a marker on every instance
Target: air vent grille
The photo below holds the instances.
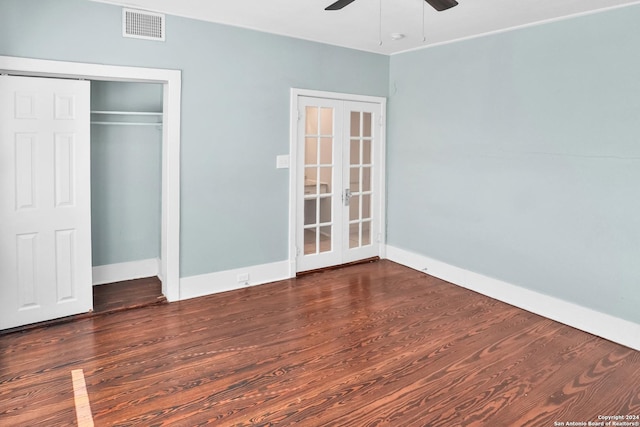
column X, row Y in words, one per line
column 141, row 24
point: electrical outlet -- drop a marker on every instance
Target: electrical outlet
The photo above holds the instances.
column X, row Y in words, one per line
column 243, row 277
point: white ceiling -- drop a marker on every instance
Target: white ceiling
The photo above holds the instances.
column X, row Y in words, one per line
column 358, row 25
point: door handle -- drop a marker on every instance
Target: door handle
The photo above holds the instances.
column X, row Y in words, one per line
column 347, row 196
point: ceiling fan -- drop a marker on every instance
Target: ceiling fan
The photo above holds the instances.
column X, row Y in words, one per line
column 438, row 5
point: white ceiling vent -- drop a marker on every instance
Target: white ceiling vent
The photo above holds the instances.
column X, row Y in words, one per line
column 141, row 24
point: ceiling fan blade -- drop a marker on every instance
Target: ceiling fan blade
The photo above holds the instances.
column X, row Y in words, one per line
column 339, row 4
column 441, row 5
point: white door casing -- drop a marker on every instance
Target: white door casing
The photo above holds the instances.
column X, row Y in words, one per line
column 172, row 89
column 45, row 208
column 336, row 179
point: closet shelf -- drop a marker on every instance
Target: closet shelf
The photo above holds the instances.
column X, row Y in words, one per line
column 127, row 123
column 127, row 113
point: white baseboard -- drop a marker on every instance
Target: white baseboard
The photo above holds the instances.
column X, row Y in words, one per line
column 603, row 325
column 222, row 281
column 125, row 271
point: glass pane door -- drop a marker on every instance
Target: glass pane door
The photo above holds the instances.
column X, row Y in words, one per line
column 337, row 205
column 360, row 167
column 360, row 164
column 319, row 188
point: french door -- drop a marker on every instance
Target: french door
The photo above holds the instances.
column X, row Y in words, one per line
column 338, row 190
column 45, row 205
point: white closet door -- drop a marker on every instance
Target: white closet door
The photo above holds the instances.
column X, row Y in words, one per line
column 338, row 200
column 45, row 208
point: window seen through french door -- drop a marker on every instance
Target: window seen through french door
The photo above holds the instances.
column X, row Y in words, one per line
column 338, row 200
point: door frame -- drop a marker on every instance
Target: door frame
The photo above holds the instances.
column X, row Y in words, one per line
column 171, row 81
column 295, row 115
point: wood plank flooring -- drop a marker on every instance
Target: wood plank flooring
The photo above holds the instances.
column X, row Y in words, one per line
column 110, row 298
column 127, row 295
column 367, row 345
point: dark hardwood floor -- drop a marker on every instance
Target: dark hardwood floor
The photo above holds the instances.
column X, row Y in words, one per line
column 110, row 298
column 127, row 295
column 366, row 345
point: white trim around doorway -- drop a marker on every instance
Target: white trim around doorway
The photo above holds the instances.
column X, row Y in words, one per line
column 169, row 268
column 293, row 173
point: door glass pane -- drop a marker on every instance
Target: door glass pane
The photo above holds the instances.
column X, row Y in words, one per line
column 310, row 181
column 325, row 238
column 366, row 206
column 311, row 125
column 310, row 211
column 354, row 238
column 326, row 121
column 325, row 209
column 366, row 152
column 354, row 208
column 325, row 180
column 311, row 151
column 354, row 180
column 310, row 241
column 355, row 123
column 366, row 125
column 366, row 179
column 354, row 152
column 326, row 151
column 366, row 233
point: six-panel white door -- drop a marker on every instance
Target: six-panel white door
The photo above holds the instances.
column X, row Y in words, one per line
column 336, row 192
column 45, row 203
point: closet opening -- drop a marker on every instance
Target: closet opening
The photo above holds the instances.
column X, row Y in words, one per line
column 166, row 266
column 126, row 194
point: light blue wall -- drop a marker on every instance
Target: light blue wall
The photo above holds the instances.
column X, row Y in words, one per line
column 126, row 173
column 517, row 156
column 235, row 112
column 514, row 155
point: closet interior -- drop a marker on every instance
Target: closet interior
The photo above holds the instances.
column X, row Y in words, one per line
column 126, row 191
